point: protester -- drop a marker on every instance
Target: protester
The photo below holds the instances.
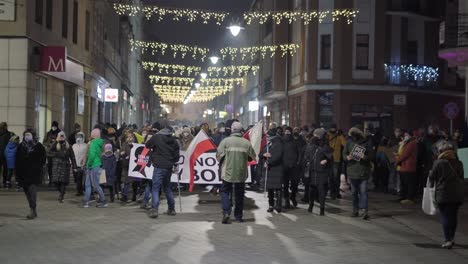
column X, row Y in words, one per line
column 109, row 164
column 291, row 167
column 164, row 156
column 50, row 139
column 319, row 157
column 62, row 160
column 147, row 185
column 273, row 170
column 382, row 166
column 5, row 136
column 80, row 149
column 305, row 168
column 93, row 166
column 219, row 134
column 447, row 176
column 30, row 160
column 359, row 155
column 186, row 138
column 336, row 142
column 127, row 181
column 10, row 157
column 72, row 137
column 408, row 163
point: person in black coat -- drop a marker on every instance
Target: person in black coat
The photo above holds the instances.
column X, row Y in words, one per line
column 30, row 160
column 62, row 160
column 318, row 158
column 448, row 177
column 272, row 160
column 291, row 169
column 5, row 136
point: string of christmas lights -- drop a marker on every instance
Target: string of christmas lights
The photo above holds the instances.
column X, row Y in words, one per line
column 233, row 70
column 179, row 94
column 413, row 72
column 259, row 50
column 168, row 80
column 171, row 68
column 162, row 48
column 221, row 81
column 194, row 15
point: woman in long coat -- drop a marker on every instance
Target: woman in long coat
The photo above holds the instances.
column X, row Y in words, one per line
column 63, row 160
column 30, row 161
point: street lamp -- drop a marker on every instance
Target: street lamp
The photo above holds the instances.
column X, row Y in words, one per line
column 197, row 85
column 235, row 29
column 203, row 75
column 214, row 59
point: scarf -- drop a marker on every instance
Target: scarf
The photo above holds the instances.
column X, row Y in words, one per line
column 447, row 155
column 29, row 146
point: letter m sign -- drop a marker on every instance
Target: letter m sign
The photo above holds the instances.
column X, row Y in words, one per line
column 53, row 59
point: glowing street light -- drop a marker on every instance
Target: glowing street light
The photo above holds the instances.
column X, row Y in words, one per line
column 235, row 30
column 197, row 85
column 203, row 75
column 214, row 59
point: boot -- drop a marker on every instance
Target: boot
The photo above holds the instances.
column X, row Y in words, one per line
column 311, row 207
column 32, row 214
column 355, row 213
column 112, row 196
column 365, row 215
column 322, row 211
column 279, row 201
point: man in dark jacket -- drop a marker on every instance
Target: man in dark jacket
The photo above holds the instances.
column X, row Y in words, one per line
column 72, row 137
column 5, row 136
column 165, row 154
column 291, row 154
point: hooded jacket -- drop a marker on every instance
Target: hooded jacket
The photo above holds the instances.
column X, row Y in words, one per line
column 10, row 154
column 358, row 169
column 164, row 150
column 447, row 175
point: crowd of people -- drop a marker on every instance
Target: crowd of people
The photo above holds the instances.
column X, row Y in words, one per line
column 317, row 158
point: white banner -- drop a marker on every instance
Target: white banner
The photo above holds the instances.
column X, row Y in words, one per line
column 206, row 167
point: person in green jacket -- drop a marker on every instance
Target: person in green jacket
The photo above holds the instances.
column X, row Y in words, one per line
column 233, row 154
column 93, row 166
column 359, row 155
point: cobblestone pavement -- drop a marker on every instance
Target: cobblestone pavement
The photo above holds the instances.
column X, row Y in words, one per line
column 65, row 233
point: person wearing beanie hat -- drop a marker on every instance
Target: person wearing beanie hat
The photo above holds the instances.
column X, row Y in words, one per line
column 109, row 164
column 319, row 133
column 272, row 169
column 80, row 149
column 359, row 154
column 93, row 165
column 233, row 154
column 62, row 160
column 72, row 137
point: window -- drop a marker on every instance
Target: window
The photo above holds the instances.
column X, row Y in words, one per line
column 49, row 10
column 325, row 108
column 39, row 11
column 65, row 18
column 325, row 52
column 75, row 22
column 412, row 52
column 87, row 30
column 362, row 52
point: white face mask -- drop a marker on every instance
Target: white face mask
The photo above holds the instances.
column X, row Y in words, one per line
column 54, row 128
column 79, row 140
column 28, row 137
column 407, row 137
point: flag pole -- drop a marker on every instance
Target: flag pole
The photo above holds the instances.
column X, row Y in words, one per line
column 266, row 172
column 178, row 188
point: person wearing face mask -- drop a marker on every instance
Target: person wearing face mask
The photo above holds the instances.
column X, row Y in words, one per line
column 30, row 159
column 50, row 139
column 408, row 167
column 72, row 137
column 125, row 161
column 337, row 143
column 80, row 149
column 63, row 158
column 291, row 174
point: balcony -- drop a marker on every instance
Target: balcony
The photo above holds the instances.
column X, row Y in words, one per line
column 412, row 75
column 454, row 47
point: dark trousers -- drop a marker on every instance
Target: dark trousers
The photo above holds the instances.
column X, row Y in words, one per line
column 381, row 177
column 317, row 193
column 449, row 219
column 291, row 180
column 226, row 198
column 79, row 181
column 61, row 187
column 31, row 194
column 408, row 185
column 275, row 198
column 335, row 180
column 4, row 169
column 111, row 193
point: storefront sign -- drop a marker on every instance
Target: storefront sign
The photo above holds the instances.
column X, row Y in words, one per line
column 53, row 59
column 111, row 95
column 7, row 10
column 81, row 101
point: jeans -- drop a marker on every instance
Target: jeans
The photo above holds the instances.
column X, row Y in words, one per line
column 31, row 194
column 449, row 219
column 409, row 183
column 148, row 190
column 162, row 177
column 359, row 190
column 92, row 179
column 226, row 198
column 335, row 180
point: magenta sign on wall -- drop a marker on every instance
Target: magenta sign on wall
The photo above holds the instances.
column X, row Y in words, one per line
column 53, row 59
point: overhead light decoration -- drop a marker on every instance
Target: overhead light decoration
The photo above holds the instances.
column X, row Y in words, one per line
column 233, row 70
column 171, row 68
column 168, row 80
column 206, row 16
column 413, row 72
column 186, row 94
column 214, row 59
column 162, row 48
column 222, row 81
column 254, row 51
column 197, row 85
column 235, row 30
column 203, row 75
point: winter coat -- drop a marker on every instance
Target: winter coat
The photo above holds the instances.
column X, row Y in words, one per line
column 448, row 176
column 336, row 142
column 275, row 167
column 359, row 169
column 408, row 160
column 81, row 152
column 10, row 154
column 5, row 136
column 63, row 159
column 125, row 160
column 164, row 151
column 233, row 154
column 50, row 138
column 314, row 154
column 109, row 163
column 94, row 153
column 29, row 165
column 291, row 150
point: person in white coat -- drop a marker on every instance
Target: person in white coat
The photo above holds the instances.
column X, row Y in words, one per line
column 80, row 148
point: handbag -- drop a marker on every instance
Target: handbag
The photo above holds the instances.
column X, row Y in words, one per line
column 102, row 177
column 428, row 201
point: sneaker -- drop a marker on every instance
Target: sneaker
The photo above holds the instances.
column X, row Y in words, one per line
column 270, row 209
column 239, row 220
column 355, row 214
column 85, row 205
column 225, row 219
column 171, row 212
column 322, row 211
column 278, row 210
column 448, row 245
column 365, row 216
column 294, row 202
column 143, row 206
column 32, row 214
column 102, row 205
column 310, row 209
column 153, row 213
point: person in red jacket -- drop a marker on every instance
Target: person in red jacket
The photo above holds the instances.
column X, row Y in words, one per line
column 408, row 167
